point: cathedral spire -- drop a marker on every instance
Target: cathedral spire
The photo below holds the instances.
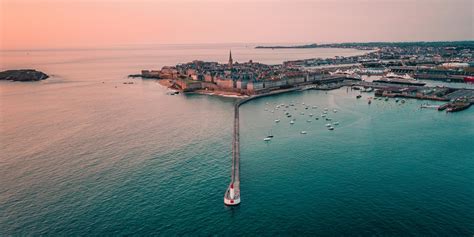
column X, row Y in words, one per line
column 231, row 62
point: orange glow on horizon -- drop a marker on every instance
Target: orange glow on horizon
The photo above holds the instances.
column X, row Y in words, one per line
column 27, row 24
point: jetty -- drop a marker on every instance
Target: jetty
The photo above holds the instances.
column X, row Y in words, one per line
column 232, row 194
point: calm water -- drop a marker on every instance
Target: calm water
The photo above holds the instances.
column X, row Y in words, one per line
column 84, row 154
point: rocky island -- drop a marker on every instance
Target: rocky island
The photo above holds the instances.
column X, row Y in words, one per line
column 23, row 75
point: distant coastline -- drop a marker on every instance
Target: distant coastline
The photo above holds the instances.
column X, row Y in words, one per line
column 306, row 46
column 375, row 45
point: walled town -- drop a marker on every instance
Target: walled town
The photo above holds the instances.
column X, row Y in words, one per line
column 400, row 66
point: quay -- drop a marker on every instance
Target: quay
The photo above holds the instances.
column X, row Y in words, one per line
column 418, row 92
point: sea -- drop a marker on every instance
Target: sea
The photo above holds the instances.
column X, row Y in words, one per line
column 82, row 154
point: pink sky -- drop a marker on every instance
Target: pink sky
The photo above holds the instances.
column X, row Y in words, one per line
column 28, row 24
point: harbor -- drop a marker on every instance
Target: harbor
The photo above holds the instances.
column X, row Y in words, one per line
column 459, row 99
column 251, row 80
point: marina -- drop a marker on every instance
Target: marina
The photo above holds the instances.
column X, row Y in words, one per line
column 232, row 195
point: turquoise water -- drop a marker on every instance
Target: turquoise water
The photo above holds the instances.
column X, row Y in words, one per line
column 386, row 169
column 82, row 157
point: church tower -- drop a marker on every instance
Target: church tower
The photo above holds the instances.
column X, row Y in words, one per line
column 231, row 62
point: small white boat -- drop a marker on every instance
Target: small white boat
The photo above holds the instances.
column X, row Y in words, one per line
column 309, row 120
column 303, row 132
column 325, row 112
column 429, row 106
column 328, row 125
column 335, row 111
column 331, row 128
column 267, row 139
column 336, row 123
column 323, row 115
column 310, row 115
column 292, row 122
column 277, row 120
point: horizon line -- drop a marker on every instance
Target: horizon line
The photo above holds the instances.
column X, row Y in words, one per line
column 135, row 45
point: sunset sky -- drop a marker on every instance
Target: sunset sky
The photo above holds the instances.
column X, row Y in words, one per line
column 36, row 24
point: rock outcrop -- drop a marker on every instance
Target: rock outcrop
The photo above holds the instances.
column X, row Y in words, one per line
column 23, row 75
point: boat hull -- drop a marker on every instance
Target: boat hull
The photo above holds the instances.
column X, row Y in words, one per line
column 401, row 82
column 469, row 79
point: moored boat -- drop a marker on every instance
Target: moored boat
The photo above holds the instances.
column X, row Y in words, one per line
column 469, row 79
column 393, row 78
column 458, row 105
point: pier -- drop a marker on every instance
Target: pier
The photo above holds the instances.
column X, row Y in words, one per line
column 232, row 194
